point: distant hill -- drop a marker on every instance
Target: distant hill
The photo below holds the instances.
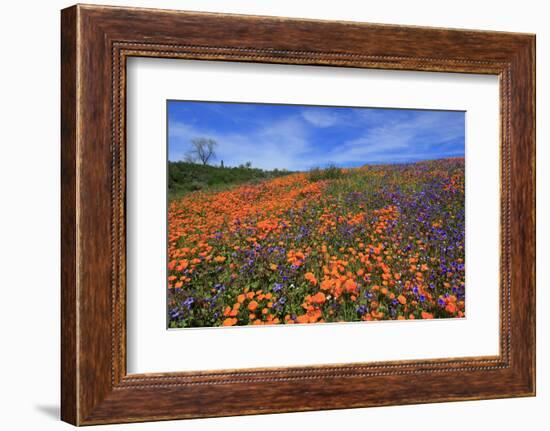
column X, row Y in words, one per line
column 184, row 177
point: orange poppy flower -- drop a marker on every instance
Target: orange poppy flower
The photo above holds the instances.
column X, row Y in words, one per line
column 230, row 321
column 318, row 298
column 309, row 276
column 451, row 308
column 350, row 285
column 303, row 318
column 326, row 284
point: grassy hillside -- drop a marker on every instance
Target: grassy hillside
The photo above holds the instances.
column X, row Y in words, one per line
column 186, row 177
column 381, row 242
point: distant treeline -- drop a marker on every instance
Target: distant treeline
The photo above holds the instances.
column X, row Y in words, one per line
column 185, row 177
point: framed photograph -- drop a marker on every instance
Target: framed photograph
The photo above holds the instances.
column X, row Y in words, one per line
column 263, row 214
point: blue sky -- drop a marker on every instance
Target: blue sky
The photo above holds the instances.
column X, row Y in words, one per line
column 298, row 137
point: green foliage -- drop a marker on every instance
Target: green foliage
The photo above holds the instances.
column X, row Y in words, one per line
column 330, row 173
column 185, row 177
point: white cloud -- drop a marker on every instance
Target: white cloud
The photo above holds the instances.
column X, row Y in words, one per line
column 321, row 117
column 398, row 140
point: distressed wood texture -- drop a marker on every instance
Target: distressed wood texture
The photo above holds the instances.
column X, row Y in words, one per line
column 96, row 41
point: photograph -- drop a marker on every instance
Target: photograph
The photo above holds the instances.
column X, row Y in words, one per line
column 292, row 214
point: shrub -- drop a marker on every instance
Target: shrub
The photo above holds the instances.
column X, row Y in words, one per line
column 330, row 173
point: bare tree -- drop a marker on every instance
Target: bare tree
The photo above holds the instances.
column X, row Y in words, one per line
column 202, row 150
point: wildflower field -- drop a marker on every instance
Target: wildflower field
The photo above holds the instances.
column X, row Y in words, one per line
column 380, row 242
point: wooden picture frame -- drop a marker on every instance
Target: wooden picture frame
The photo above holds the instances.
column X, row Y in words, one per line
column 95, row 43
